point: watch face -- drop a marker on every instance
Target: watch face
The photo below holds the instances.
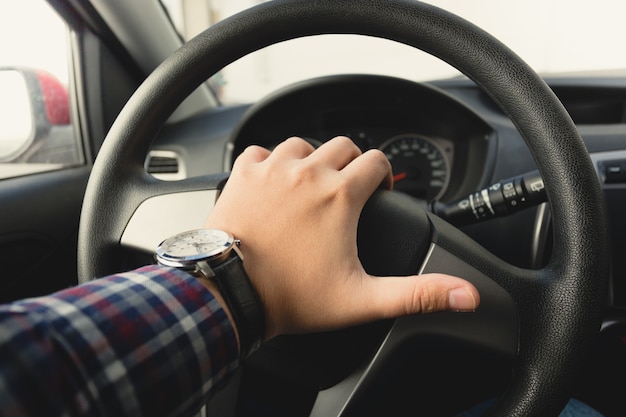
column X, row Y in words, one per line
column 194, row 245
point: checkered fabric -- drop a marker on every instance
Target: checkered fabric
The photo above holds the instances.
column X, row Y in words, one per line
column 151, row 342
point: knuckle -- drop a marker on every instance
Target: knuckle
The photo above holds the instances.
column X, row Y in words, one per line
column 301, row 174
column 379, row 158
column 344, row 140
column 296, row 142
column 292, row 140
column 345, row 189
column 422, row 301
column 251, row 154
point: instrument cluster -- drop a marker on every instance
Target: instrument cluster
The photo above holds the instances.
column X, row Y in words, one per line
column 421, row 165
column 436, row 146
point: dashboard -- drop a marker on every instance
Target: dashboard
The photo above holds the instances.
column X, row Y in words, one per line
column 444, row 139
column 437, row 147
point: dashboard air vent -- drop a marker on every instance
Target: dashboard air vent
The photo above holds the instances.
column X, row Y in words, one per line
column 165, row 165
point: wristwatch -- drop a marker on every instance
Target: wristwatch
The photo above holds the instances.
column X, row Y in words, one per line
column 214, row 254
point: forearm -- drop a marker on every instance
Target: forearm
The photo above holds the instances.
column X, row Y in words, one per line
column 153, row 343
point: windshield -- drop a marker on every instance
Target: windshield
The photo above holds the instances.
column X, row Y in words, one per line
column 553, row 36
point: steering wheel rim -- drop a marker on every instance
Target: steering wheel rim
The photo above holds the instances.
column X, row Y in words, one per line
column 570, row 291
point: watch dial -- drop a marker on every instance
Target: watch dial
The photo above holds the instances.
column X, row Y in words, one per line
column 195, row 244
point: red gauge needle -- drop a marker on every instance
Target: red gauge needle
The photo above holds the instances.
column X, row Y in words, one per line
column 399, row 176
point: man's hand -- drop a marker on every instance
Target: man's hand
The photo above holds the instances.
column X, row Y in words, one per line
column 296, row 212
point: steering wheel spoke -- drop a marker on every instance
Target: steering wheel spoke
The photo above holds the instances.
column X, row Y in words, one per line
column 147, row 212
column 165, row 215
column 492, row 329
column 398, row 237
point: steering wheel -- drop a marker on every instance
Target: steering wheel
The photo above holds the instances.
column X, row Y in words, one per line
column 545, row 319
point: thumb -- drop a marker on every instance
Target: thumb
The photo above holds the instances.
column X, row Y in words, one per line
column 398, row 296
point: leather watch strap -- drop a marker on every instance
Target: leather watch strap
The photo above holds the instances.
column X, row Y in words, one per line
column 243, row 302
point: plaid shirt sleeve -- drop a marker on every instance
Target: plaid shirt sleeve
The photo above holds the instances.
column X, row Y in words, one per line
column 150, row 342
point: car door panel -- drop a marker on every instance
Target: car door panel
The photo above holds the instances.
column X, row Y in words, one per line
column 38, row 228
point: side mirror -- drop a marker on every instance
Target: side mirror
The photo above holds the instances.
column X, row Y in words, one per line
column 32, row 103
column 17, row 129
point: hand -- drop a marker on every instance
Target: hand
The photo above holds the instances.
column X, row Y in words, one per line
column 296, row 212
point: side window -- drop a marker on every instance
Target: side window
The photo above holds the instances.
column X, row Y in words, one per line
column 36, row 130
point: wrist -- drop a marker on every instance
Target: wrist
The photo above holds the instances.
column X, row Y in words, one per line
column 243, row 302
column 213, row 257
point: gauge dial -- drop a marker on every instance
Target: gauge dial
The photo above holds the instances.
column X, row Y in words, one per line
column 420, row 167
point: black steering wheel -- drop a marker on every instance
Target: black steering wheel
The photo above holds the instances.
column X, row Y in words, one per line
column 545, row 320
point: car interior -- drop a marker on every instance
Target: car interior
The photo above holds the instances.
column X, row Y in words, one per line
column 511, row 178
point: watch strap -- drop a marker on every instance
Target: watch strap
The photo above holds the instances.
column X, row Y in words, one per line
column 243, row 302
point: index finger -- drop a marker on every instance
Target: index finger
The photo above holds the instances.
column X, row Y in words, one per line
column 368, row 172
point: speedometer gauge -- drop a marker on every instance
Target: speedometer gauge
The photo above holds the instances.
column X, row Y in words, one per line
column 420, row 168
